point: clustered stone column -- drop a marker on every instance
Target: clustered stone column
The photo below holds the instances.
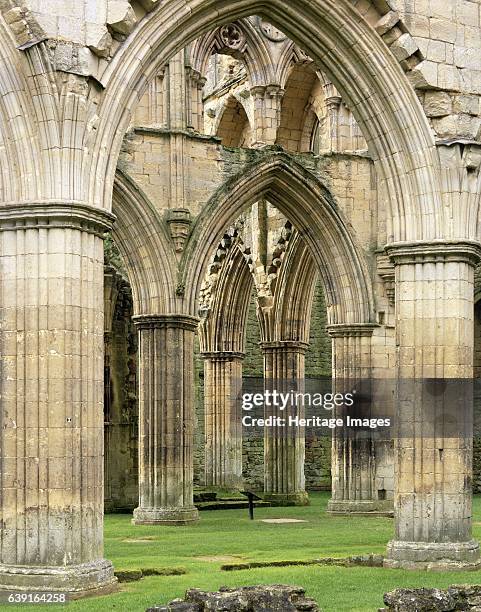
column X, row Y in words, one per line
column 353, row 453
column 166, row 419
column 51, row 434
column 267, row 109
column 284, row 447
column 433, row 449
column 223, row 419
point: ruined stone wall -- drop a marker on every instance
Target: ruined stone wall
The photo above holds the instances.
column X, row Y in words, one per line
column 477, row 398
column 121, row 409
column 253, row 367
column 199, row 440
column 318, row 366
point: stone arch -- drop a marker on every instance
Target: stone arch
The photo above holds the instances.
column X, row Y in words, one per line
column 143, row 242
column 233, row 126
column 290, row 316
column 19, row 153
column 344, row 45
column 309, row 206
column 222, row 328
column 291, row 56
column 250, row 48
column 295, row 106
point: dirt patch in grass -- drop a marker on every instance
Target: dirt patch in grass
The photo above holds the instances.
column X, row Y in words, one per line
column 279, row 521
column 140, row 540
column 218, row 558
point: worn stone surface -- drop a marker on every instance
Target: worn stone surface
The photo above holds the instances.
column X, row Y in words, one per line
column 181, row 142
column 275, row 598
column 462, row 597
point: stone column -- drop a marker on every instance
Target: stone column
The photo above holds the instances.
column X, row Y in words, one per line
column 166, row 417
column 51, row 434
column 353, row 453
column 433, row 450
column 267, row 112
column 223, row 419
column 284, row 447
column 333, row 104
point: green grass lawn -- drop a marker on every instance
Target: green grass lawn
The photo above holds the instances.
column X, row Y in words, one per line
column 229, row 533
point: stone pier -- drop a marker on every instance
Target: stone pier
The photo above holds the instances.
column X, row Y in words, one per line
column 223, row 419
column 51, row 435
column 284, row 448
column 433, row 450
column 166, row 404
column 353, row 453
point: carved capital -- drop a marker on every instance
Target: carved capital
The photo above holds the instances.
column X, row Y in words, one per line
column 284, row 345
column 179, row 222
column 385, row 270
column 350, row 330
column 157, row 321
column 435, row 251
column 223, row 355
column 74, row 215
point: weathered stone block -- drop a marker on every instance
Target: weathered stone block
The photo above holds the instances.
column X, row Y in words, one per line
column 387, row 22
column 121, row 17
column 149, row 5
column 424, row 75
column 462, row 597
column 275, row 598
column 404, row 47
column 466, row 104
column 428, row 600
column 98, row 39
column 437, row 104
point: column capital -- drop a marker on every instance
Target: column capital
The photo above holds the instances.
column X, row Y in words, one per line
column 55, row 214
column 222, row 355
column 348, row 330
column 402, row 253
column 285, row 344
column 156, row 321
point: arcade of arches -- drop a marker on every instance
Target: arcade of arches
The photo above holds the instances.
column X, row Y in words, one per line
column 196, row 197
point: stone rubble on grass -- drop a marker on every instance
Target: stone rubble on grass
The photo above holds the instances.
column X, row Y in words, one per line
column 263, row 598
column 455, row 598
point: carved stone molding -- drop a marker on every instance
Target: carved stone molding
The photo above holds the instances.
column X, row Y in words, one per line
column 349, row 330
column 434, row 251
column 179, row 223
column 270, row 32
column 232, row 36
column 55, row 214
column 222, row 355
column 150, row 321
column 385, row 270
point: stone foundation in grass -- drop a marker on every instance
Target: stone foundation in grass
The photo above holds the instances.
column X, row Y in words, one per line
column 455, row 598
column 275, row 598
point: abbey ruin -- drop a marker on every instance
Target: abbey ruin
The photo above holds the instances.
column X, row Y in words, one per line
column 198, row 195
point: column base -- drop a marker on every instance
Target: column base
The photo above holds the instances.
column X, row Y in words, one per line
column 286, row 499
column 219, row 491
column 165, row 516
column 96, row 578
column 369, row 507
column 433, row 556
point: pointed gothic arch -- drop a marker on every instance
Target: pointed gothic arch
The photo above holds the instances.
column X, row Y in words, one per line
column 306, row 202
column 344, row 45
column 147, row 252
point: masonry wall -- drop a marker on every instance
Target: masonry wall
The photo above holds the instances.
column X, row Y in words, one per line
column 121, row 410
column 253, row 368
column 318, row 368
column 477, row 398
